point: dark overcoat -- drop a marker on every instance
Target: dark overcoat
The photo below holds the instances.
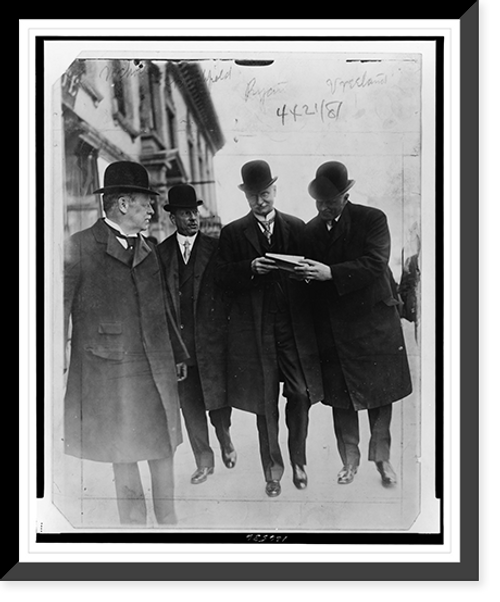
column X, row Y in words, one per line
column 121, row 402
column 210, row 321
column 358, row 326
column 247, row 357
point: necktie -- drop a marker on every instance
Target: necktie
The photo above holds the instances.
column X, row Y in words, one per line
column 187, row 251
column 131, row 240
column 332, row 226
column 267, row 229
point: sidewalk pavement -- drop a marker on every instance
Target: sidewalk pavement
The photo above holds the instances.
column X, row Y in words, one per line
column 235, row 500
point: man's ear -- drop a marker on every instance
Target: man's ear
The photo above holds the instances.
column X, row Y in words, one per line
column 171, row 215
column 123, row 204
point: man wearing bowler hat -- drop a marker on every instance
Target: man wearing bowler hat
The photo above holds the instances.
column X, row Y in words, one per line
column 121, row 402
column 358, row 327
column 270, row 332
column 188, row 260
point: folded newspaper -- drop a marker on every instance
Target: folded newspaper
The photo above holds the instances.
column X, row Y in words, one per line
column 286, row 262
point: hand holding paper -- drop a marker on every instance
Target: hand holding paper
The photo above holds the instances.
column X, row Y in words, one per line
column 263, row 265
column 309, row 269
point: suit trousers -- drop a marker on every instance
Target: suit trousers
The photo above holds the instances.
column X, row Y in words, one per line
column 130, row 492
column 282, row 363
column 346, row 426
column 195, row 419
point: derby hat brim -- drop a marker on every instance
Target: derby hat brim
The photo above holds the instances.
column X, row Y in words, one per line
column 124, row 188
column 322, row 187
column 169, row 207
column 256, row 189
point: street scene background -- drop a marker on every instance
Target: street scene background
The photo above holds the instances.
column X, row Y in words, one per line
column 198, row 121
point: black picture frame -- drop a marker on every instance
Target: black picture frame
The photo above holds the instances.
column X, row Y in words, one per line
column 467, row 568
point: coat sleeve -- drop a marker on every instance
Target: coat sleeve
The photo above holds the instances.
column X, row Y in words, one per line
column 72, row 271
column 232, row 273
column 359, row 273
column 178, row 347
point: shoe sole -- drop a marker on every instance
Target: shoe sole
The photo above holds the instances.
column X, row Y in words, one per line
column 274, row 493
column 199, row 481
column 343, row 481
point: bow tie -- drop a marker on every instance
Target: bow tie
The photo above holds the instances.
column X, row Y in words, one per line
column 131, row 240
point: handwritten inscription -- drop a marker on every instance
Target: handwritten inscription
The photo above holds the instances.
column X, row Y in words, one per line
column 262, row 94
column 266, row 538
column 132, row 69
column 217, row 75
column 324, row 110
column 341, row 85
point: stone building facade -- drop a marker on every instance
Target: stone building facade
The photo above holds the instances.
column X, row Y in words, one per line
column 158, row 113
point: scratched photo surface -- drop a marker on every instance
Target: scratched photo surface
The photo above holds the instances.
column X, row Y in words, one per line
column 198, row 120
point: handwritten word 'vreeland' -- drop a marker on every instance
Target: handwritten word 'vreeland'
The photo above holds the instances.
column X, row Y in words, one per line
column 340, row 85
column 324, row 110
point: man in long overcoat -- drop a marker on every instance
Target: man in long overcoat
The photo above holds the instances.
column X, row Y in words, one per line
column 121, row 402
column 270, row 332
column 363, row 354
column 188, row 260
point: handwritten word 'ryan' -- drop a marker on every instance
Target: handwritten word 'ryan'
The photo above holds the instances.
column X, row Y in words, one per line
column 262, row 94
column 340, row 85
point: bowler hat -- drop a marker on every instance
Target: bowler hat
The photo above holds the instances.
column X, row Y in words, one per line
column 126, row 176
column 256, row 176
column 182, row 196
column 330, row 181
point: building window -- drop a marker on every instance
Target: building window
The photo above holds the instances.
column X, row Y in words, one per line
column 119, row 88
column 83, row 207
column 172, row 128
column 170, row 112
column 122, row 97
column 192, row 164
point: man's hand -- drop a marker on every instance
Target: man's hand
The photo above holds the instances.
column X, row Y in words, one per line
column 313, row 270
column 263, row 265
column 181, row 371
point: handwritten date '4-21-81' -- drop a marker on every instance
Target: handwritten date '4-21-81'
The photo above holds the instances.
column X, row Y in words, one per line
column 325, row 110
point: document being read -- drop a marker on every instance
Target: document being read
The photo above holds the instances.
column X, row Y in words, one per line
column 286, row 262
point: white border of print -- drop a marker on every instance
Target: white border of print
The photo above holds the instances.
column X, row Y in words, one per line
column 31, row 552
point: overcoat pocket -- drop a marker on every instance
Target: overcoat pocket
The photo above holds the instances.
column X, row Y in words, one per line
column 110, row 328
column 106, row 352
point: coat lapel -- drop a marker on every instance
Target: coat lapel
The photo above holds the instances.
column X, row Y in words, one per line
column 285, row 230
column 113, row 248
column 142, row 250
column 171, row 261
column 202, row 257
column 343, row 227
column 250, row 231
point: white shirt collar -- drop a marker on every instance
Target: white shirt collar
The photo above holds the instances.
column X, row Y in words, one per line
column 182, row 237
column 117, row 227
column 269, row 216
column 329, row 223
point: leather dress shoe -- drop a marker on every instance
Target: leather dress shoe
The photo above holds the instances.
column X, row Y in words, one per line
column 387, row 473
column 346, row 475
column 201, row 475
column 273, row 488
column 299, row 476
column 229, row 457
